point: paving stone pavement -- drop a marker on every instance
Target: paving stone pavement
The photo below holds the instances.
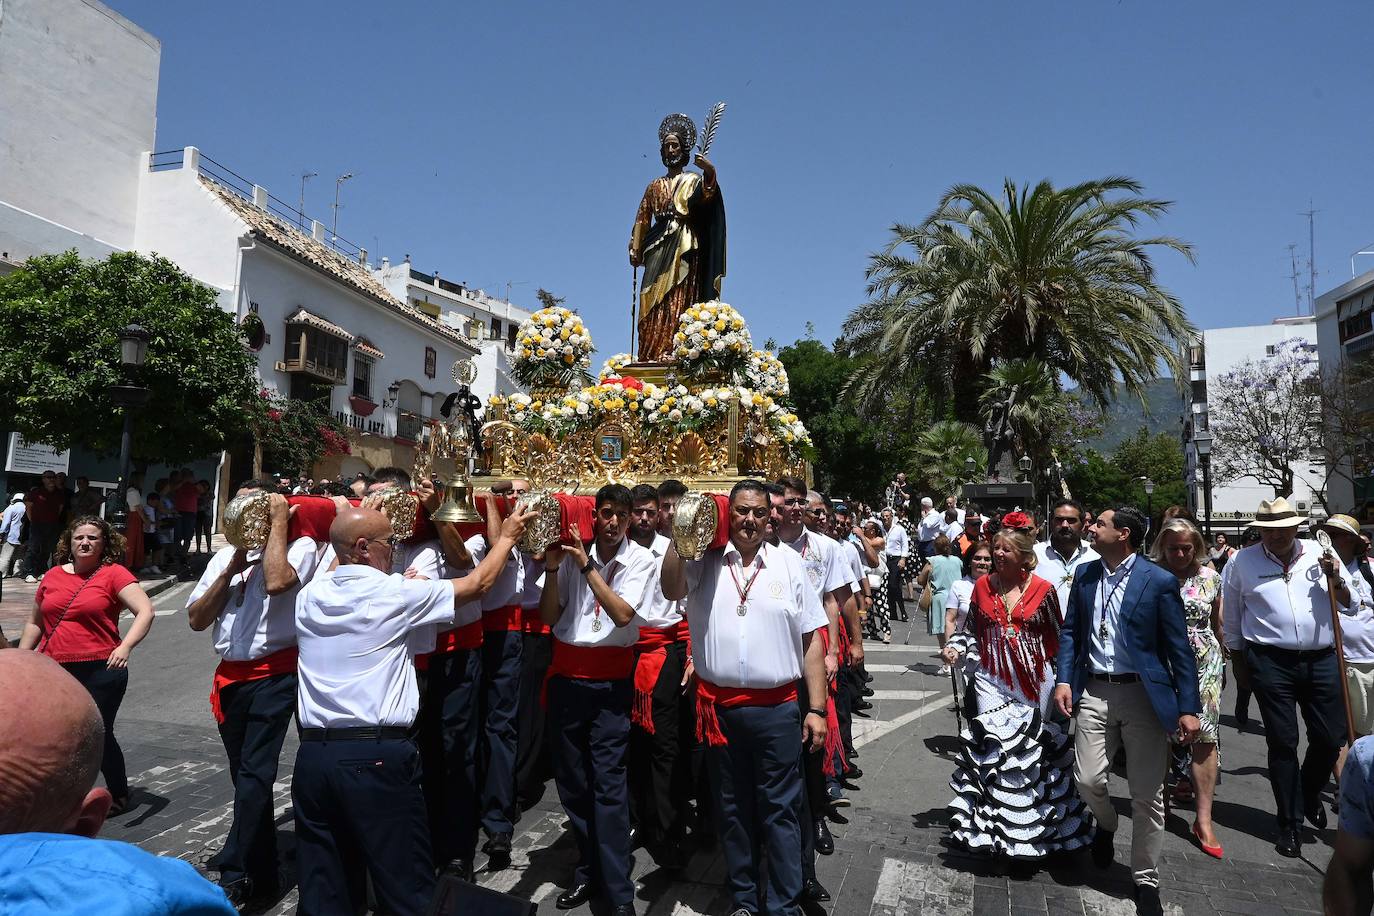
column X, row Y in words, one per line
column 889, row 860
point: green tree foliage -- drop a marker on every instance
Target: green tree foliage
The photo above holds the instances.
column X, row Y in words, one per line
column 295, row 434
column 940, row 453
column 855, row 456
column 59, row 352
column 1044, row 273
column 1100, row 482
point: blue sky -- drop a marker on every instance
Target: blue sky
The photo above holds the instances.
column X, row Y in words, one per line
column 510, row 142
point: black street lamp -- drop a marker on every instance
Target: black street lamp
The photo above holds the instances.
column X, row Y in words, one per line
column 1149, row 506
column 1025, row 465
column 133, row 350
column 1202, row 442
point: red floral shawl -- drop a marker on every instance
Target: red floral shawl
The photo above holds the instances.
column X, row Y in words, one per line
column 1015, row 653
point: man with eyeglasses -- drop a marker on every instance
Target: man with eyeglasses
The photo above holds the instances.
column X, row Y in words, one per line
column 592, row 599
column 359, row 806
column 755, row 624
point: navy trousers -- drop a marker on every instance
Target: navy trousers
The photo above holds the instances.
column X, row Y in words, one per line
column 256, row 717
column 500, row 709
column 757, row 778
column 656, row 765
column 814, row 801
column 360, row 812
column 590, row 722
column 533, row 766
column 448, row 732
column 1286, row 682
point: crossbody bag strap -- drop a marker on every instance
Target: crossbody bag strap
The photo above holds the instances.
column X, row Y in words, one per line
column 47, row 638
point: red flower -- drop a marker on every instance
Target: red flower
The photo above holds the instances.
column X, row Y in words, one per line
column 629, row 381
column 274, row 415
column 1017, row 520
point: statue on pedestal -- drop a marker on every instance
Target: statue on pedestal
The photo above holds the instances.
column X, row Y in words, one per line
column 678, row 237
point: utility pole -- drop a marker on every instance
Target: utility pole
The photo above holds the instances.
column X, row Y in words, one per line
column 338, row 183
column 300, row 211
column 1293, row 264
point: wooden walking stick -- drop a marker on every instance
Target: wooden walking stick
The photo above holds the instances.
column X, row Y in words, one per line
column 1324, row 540
column 958, row 707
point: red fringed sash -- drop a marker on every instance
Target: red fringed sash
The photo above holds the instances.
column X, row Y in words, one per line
column 592, row 663
column 653, row 653
column 709, row 696
column 503, row 619
column 467, row 636
column 1016, row 653
column 834, row 745
column 255, row 669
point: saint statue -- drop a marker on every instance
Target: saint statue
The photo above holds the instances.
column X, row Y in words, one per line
column 678, row 238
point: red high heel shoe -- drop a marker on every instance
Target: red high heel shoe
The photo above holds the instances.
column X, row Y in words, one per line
column 1213, row 851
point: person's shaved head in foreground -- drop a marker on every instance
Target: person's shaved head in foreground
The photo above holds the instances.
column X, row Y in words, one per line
column 51, row 739
column 359, row 536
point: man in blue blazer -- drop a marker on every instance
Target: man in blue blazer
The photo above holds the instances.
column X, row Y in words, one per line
column 1127, row 676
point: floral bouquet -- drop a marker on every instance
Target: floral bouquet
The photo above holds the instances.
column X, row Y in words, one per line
column 765, row 374
column 679, row 409
column 553, row 347
column 612, row 367
column 712, row 338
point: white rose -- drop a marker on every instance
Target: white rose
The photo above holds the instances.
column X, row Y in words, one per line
column 674, row 414
column 582, row 409
column 718, row 345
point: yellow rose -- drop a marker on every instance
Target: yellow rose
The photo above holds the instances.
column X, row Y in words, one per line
column 539, row 352
column 710, row 402
column 634, row 405
column 568, row 359
column 535, row 405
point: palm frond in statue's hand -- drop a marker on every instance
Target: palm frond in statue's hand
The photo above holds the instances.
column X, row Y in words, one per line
column 708, row 128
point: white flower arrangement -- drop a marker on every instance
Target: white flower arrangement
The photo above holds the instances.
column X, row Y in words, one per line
column 552, row 346
column 712, row 336
column 613, row 367
column 679, row 408
column 765, row 373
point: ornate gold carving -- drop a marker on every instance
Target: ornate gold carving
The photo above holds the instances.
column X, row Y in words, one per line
column 694, row 524
column 542, row 532
column 246, row 521
column 401, row 508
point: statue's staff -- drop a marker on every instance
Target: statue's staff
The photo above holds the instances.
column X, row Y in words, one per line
column 634, row 306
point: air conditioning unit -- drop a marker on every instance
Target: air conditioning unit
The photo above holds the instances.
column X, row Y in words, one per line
column 1302, row 505
column 279, row 365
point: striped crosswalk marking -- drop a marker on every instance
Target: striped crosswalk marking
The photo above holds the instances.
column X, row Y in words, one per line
column 911, row 888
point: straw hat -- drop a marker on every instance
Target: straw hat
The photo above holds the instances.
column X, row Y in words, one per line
column 1342, row 524
column 1276, row 513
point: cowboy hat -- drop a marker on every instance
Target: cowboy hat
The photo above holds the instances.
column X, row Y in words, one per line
column 1342, row 524
column 1276, row 513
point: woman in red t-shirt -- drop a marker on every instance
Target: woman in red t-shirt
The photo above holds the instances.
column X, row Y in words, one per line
column 76, row 622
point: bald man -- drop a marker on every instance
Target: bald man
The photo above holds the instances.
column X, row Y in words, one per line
column 359, row 806
column 50, row 812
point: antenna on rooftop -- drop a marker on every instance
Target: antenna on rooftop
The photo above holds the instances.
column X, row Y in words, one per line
column 300, row 211
column 1311, row 215
column 1293, row 264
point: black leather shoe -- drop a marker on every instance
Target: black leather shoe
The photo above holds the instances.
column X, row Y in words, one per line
column 458, row 868
column 868, row 691
column 239, row 892
column 1290, row 843
column 862, row 704
column 625, row 909
column 1317, row 816
column 825, row 843
column 741, row 912
column 1147, row 900
column 853, row 773
column 814, row 891
column 498, row 852
column 575, row 896
column 1102, row 849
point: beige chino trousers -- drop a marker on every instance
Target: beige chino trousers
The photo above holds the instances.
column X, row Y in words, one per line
column 1108, row 716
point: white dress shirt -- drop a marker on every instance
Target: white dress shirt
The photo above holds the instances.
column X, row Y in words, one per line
column 627, row 573
column 897, row 544
column 1357, row 628
column 1259, row 606
column 1058, row 570
column 359, row 631
column 763, row 648
column 953, row 531
column 1110, row 655
column 960, row 596
column 532, row 581
column 849, row 552
column 253, row 623
column 509, row 585
column 821, row 561
column 657, row 610
column 930, row 526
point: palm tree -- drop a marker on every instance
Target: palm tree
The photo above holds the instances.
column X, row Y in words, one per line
column 941, row 452
column 1056, row 275
column 1020, row 402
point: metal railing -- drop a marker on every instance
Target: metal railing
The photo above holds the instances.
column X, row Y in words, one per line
column 289, row 216
column 409, row 426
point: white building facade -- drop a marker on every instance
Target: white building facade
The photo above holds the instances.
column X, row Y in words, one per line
column 1210, row 356
column 488, row 323
column 1345, row 336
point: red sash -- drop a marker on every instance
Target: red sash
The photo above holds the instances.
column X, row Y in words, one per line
column 709, row 696
column 531, row 622
column 833, row 742
column 283, row 661
column 591, row 663
column 653, row 653
column 468, row 636
column 503, row 619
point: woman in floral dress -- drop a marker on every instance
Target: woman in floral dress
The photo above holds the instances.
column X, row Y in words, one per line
column 1180, row 549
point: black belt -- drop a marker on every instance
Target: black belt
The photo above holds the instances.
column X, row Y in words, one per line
column 360, row 733
column 1115, row 678
column 1294, row 654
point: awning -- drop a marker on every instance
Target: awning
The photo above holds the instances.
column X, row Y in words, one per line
column 310, row 319
column 364, row 346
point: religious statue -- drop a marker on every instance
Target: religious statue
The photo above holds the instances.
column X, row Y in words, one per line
column 678, row 237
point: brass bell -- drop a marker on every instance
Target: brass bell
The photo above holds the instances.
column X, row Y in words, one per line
column 457, row 505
